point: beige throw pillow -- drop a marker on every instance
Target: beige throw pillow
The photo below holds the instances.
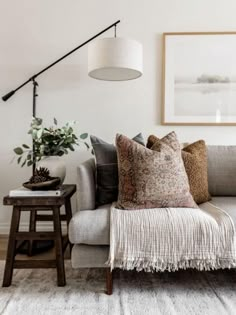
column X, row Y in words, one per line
column 152, row 178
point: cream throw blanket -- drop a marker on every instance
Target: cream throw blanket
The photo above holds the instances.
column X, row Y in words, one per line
column 172, row 239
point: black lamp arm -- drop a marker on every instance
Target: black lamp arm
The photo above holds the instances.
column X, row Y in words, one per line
column 9, row 94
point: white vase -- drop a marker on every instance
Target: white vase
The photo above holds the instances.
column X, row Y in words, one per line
column 55, row 165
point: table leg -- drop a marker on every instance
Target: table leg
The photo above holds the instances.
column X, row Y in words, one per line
column 61, row 280
column 11, row 250
column 32, row 228
column 109, row 281
column 68, row 217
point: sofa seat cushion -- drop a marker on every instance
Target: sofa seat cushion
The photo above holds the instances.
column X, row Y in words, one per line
column 228, row 204
column 86, row 256
column 91, row 227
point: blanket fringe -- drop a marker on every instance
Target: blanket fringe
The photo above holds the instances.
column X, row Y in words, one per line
column 155, row 266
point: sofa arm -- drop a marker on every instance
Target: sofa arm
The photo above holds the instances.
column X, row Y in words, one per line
column 86, row 186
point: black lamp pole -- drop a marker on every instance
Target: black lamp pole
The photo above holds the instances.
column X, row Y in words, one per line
column 35, row 85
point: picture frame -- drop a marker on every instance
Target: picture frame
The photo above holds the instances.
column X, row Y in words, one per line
column 199, row 78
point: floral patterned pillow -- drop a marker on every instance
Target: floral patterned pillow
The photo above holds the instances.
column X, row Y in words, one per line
column 152, row 178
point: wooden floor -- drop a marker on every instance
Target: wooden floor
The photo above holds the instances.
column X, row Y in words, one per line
column 3, row 247
column 46, row 255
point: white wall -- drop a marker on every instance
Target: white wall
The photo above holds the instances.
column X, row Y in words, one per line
column 35, row 33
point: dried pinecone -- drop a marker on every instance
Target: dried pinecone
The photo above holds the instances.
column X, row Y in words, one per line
column 42, row 171
column 40, row 175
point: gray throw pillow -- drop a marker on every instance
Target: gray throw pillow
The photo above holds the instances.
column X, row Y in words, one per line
column 107, row 169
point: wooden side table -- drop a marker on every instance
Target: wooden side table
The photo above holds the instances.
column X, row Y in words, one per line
column 34, row 204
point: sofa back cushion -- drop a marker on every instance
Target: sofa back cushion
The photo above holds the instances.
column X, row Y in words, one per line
column 86, row 185
column 222, row 170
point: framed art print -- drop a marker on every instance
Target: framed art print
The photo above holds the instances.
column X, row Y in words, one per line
column 199, row 78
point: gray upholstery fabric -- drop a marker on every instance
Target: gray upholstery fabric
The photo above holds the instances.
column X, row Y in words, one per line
column 85, row 256
column 222, row 170
column 107, row 169
column 86, row 185
column 91, row 226
column 228, row 204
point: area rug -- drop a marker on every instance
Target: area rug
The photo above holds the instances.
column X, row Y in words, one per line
column 183, row 292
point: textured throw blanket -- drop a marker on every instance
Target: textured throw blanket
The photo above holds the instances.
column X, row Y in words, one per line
column 172, row 239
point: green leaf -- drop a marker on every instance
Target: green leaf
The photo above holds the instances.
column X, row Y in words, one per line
column 18, row 150
column 25, row 146
column 71, row 147
column 29, row 163
column 83, row 136
column 87, row 145
column 38, row 121
column 19, row 159
column 39, row 133
column 34, row 134
column 28, row 157
column 55, row 121
column 70, row 130
column 23, row 164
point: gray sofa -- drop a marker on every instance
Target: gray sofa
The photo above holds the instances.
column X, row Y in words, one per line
column 89, row 227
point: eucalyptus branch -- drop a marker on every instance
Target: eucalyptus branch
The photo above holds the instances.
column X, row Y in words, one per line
column 52, row 141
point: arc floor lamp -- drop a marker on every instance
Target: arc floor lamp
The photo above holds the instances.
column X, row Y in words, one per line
column 110, row 59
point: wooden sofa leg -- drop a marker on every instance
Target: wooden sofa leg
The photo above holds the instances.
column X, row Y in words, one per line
column 109, row 281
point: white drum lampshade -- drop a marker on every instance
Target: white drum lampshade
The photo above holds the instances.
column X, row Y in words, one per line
column 115, row 59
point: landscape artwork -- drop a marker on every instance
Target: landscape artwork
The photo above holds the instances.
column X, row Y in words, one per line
column 199, row 79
